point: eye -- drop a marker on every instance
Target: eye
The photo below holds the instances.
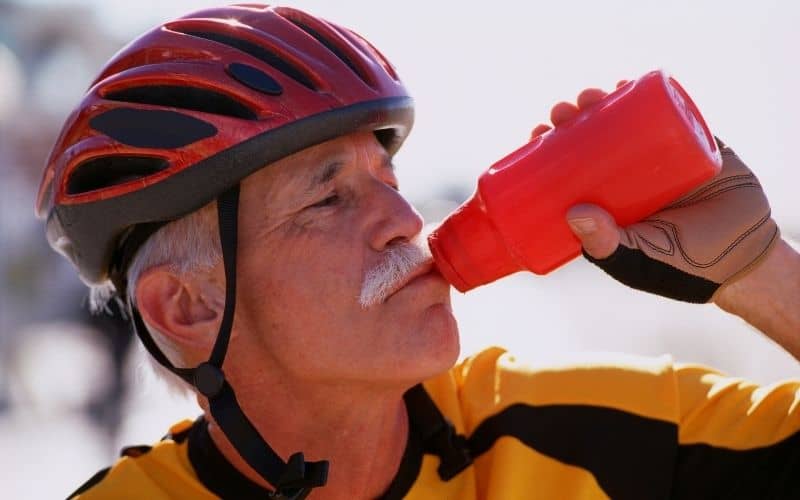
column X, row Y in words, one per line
column 331, row 200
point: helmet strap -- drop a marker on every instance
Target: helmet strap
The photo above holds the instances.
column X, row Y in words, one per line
column 292, row 480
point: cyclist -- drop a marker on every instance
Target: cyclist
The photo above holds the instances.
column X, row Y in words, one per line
column 228, row 174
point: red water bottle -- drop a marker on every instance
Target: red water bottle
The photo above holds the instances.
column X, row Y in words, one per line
column 631, row 153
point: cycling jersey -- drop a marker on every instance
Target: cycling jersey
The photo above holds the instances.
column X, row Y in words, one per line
column 613, row 426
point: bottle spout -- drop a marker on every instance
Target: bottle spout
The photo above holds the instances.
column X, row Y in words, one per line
column 468, row 250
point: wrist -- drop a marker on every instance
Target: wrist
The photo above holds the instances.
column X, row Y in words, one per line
column 755, row 279
column 767, row 296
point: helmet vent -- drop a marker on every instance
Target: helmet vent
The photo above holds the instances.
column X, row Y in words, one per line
column 191, row 98
column 258, row 52
column 107, row 171
column 337, row 51
column 255, row 79
column 160, row 129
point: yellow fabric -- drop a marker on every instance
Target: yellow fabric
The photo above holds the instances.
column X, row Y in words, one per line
column 554, row 480
column 733, row 413
column 162, row 473
column 643, row 386
column 706, row 407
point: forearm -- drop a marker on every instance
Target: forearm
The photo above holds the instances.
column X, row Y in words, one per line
column 768, row 297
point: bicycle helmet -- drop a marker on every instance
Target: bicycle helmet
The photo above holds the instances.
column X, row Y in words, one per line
column 177, row 119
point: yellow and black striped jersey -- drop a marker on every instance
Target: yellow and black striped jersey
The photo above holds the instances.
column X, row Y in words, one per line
column 609, row 427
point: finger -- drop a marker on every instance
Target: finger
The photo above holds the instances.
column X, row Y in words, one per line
column 563, row 112
column 622, row 83
column 596, row 229
column 539, row 130
column 589, row 97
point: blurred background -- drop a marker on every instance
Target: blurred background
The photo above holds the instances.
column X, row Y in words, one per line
column 72, row 386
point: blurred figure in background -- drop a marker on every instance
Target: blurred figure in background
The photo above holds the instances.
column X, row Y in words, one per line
column 43, row 62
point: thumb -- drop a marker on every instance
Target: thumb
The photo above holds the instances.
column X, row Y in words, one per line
column 596, row 229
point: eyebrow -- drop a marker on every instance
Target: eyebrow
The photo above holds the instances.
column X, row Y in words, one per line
column 325, row 174
column 331, row 170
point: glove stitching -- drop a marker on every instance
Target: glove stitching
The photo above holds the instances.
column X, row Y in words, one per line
column 730, row 247
column 711, row 188
column 668, row 251
column 692, row 262
column 714, row 194
column 757, row 258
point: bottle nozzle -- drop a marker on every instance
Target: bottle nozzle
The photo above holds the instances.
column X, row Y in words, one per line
column 467, row 248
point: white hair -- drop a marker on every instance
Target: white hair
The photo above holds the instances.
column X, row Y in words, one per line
column 396, row 264
column 188, row 244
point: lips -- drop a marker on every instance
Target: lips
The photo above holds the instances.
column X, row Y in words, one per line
column 422, row 270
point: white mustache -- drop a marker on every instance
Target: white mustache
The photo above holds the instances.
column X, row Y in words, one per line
column 396, row 264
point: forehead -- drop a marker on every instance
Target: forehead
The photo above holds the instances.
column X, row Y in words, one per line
column 313, row 164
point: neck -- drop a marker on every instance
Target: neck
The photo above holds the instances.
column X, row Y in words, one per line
column 361, row 431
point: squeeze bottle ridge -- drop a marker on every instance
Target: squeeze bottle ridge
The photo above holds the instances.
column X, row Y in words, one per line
column 632, row 153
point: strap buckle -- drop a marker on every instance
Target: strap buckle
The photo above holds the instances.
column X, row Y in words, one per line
column 299, row 477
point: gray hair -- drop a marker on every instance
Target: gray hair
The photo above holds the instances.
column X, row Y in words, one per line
column 187, row 244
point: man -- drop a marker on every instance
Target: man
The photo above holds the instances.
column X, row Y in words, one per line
column 230, row 173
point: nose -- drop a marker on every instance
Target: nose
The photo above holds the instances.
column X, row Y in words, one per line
column 394, row 219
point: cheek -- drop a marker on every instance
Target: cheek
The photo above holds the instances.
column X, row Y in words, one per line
column 305, row 319
column 300, row 286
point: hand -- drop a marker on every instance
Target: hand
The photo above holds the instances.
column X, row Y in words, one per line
column 688, row 250
column 716, row 243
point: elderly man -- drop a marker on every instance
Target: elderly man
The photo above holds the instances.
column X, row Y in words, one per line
column 230, row 175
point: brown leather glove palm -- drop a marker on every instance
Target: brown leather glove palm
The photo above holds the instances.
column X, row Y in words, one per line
column 702, row 241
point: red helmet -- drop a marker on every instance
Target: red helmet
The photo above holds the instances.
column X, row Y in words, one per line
column 193, row 106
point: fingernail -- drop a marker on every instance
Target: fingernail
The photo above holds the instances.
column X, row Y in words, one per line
column 583, row 225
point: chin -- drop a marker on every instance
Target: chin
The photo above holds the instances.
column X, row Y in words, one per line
column 422, row 339
column 439, row 342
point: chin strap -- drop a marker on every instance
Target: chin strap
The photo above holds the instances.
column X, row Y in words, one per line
column 439, row 436
column 293, row 480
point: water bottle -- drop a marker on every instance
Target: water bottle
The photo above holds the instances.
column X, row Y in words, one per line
column 632, row 153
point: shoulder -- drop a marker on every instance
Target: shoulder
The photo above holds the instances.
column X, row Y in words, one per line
column 158, row 472
column 495, row 380
column 604, row 414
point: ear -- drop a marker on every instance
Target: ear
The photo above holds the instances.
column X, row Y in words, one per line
column 186, row 309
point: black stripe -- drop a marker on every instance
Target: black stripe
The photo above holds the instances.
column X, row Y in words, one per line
column 631, row 457
column 224, row 480
column 91, row 482
column 410, row 466
column 438, row 435
column 215, row 472
column 636, row 269
column 770, row 472
column 135, row 451
column 180, row 437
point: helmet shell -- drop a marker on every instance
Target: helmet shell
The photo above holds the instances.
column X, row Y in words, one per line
column 193, row 106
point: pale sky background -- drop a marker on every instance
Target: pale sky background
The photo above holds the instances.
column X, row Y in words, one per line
column 483, row 74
